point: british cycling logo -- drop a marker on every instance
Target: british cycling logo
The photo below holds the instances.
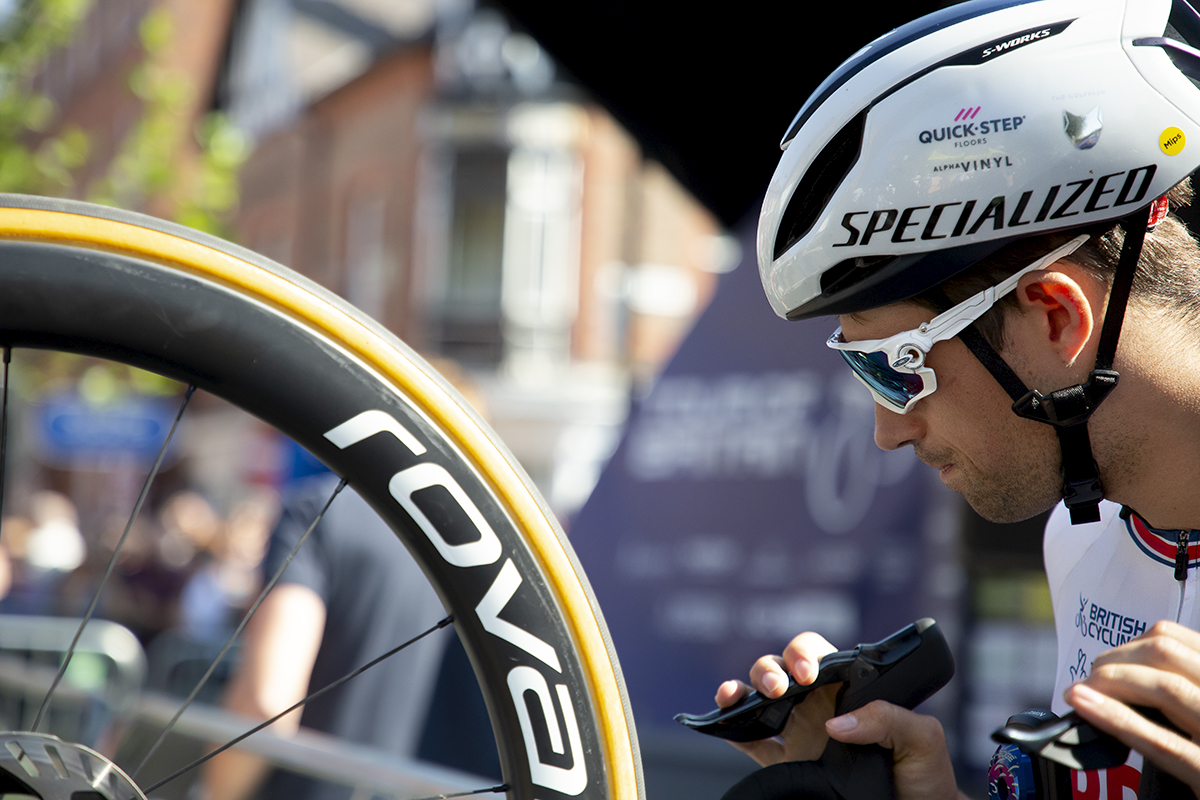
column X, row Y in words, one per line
column 1107, row 627
column 1079, row 669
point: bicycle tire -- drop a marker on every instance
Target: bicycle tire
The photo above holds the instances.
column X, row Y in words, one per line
column 161, row 297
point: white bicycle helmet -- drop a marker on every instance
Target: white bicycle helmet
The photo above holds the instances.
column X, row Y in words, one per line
column 942, row 141
column 951, row 137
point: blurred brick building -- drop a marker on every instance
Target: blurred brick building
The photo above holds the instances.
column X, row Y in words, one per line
column 424, row 160
column 88, row 80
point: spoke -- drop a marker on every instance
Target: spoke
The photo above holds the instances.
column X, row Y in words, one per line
column 328, row 687
column 504, row 787
column 112, row 562
column 4, row 429
column 241, row 626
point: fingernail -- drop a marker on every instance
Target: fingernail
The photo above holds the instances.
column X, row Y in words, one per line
column 806, row 672
column 1085, row 695
column 773, row 683
column 846, row 722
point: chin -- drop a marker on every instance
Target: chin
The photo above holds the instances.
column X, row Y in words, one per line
column 1006, row 508
column 1007, row 516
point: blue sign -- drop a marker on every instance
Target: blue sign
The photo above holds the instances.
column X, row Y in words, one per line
column 747, row 503
column 71, row 430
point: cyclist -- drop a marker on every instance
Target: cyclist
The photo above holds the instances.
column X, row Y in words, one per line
column 981, row 197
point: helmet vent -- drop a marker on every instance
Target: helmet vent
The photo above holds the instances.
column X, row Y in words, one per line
column 819, row 183
column 851, row 271
column 1183, row 26
column 1185, row 57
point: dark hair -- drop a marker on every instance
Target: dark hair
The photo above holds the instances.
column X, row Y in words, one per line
column 1168, row 271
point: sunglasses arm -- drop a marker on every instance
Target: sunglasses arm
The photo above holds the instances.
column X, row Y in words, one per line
column 951, row 323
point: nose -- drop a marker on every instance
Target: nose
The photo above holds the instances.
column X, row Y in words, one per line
column 893, row 431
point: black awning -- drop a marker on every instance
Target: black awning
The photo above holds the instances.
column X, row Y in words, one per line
column 708, row 90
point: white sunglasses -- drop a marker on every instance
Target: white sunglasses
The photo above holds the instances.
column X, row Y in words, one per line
column 894, row 368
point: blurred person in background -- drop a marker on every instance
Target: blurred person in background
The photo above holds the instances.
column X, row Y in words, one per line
column 143, row 593
column 221, row 580
column 6, row 572
column 18, row 598
column 54, row 546
column 351, row 594
column 189, row 530
column 41, row 551
column 226, row 575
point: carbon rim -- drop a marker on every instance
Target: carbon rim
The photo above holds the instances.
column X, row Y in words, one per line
column 101, row 282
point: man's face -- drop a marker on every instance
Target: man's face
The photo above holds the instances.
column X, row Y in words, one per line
column 1005, row 466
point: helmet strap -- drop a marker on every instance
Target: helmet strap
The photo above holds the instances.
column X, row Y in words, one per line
column 1068, row 409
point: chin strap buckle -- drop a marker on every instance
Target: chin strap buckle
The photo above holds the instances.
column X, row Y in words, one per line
column 1082, row 491
column 1068, row 411
column 1070, row 406
column 1082, row 495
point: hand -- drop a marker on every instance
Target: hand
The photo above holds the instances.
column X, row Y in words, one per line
column 921, row 761
column 804, row 737
column 1159, row 669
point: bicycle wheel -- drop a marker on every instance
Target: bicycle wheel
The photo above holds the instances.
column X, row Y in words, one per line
column 130, row 288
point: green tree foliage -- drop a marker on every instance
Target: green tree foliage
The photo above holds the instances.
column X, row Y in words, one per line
column 31, row 32
column 147, row 172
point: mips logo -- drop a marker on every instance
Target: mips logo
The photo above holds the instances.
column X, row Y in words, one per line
column 1172, row 141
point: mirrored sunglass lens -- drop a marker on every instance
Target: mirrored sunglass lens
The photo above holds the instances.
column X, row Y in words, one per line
column 896, row 387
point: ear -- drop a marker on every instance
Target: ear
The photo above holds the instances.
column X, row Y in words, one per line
column 1058, row 311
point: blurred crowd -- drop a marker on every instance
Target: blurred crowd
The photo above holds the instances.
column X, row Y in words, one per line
column 184, row 575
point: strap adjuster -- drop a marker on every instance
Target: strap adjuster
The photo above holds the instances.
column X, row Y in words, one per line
column 1070, row 406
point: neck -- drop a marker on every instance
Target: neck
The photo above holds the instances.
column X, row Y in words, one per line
column 1148, row 442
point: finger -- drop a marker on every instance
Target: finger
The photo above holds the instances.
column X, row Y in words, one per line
column 803, row 738
column 1170, row 751
column 920, row 759
column 769, row 676
column 1161, row 647
column 730, row 692
column 1174, row 630
column 802, row 656
column 888, row 725
column 1134, row 684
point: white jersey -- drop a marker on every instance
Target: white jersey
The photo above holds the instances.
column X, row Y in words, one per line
column 1109, row 582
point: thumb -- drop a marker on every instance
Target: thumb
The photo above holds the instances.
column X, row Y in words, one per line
column 920, row 759
column 885, row 724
